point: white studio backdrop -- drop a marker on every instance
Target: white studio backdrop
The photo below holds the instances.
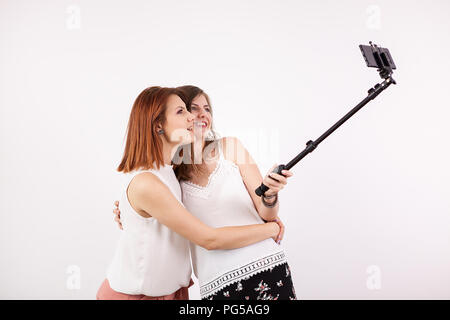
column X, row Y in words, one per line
column 367, row 213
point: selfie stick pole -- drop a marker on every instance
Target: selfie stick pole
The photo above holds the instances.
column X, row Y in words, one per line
column 311, row 145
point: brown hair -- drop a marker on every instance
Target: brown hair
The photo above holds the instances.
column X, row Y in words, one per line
column 143, row 149
column 184, row 171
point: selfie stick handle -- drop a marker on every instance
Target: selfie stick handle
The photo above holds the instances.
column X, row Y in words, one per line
column 311, row 145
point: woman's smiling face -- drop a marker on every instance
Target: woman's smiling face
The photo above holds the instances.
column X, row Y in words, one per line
column 179, row 126
column 201, row 110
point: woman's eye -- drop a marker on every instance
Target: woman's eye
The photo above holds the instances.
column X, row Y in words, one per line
column 180, row 111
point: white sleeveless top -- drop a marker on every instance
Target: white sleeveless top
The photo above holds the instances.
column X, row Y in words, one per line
column 150, row 258
column 225, row 201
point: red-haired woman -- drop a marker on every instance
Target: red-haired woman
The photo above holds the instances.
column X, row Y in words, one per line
column 152, row 259
column 218, row 188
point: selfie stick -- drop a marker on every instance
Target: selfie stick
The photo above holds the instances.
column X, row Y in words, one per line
column 376, row 57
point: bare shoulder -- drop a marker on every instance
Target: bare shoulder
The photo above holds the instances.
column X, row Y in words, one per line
column 145, row 187
column 143, row 182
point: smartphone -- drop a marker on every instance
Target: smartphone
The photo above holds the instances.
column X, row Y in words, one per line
column 377, row 57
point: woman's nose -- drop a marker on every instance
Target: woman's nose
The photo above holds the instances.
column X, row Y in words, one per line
column 201, row 113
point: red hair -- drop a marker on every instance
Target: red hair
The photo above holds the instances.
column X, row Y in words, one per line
column 144, row 146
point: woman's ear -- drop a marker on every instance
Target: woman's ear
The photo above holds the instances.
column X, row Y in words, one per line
column 159, row 128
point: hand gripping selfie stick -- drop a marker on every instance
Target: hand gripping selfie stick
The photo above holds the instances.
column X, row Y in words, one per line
column 376, row 57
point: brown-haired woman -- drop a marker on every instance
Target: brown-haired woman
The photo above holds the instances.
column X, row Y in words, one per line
column 152, row 258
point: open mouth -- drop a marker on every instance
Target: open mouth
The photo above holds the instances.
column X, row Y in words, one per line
column 201, row 124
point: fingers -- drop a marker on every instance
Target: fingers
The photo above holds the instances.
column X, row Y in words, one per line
column 272, row 182
column 273, row 186
column 116, row 211
column 118, row 221
column 281, row 233
column 276, row 182
column 280, row 236
column 281, row 178
column 287, row 173
column 277, row 177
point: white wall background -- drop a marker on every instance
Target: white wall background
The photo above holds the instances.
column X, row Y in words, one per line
column 367, row 213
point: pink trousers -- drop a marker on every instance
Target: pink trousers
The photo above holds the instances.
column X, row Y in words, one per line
column 106, row 293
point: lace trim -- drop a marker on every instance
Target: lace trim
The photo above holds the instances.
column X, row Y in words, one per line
column 223, row 167
column 209, row 178
column 241, row 273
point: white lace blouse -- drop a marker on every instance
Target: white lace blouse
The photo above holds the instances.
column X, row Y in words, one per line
column 225, row 201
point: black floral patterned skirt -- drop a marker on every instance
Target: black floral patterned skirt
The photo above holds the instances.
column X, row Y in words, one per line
column 273, row 284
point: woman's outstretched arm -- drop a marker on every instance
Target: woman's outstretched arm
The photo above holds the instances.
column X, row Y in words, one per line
column 236, row 152
column 147, row 194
